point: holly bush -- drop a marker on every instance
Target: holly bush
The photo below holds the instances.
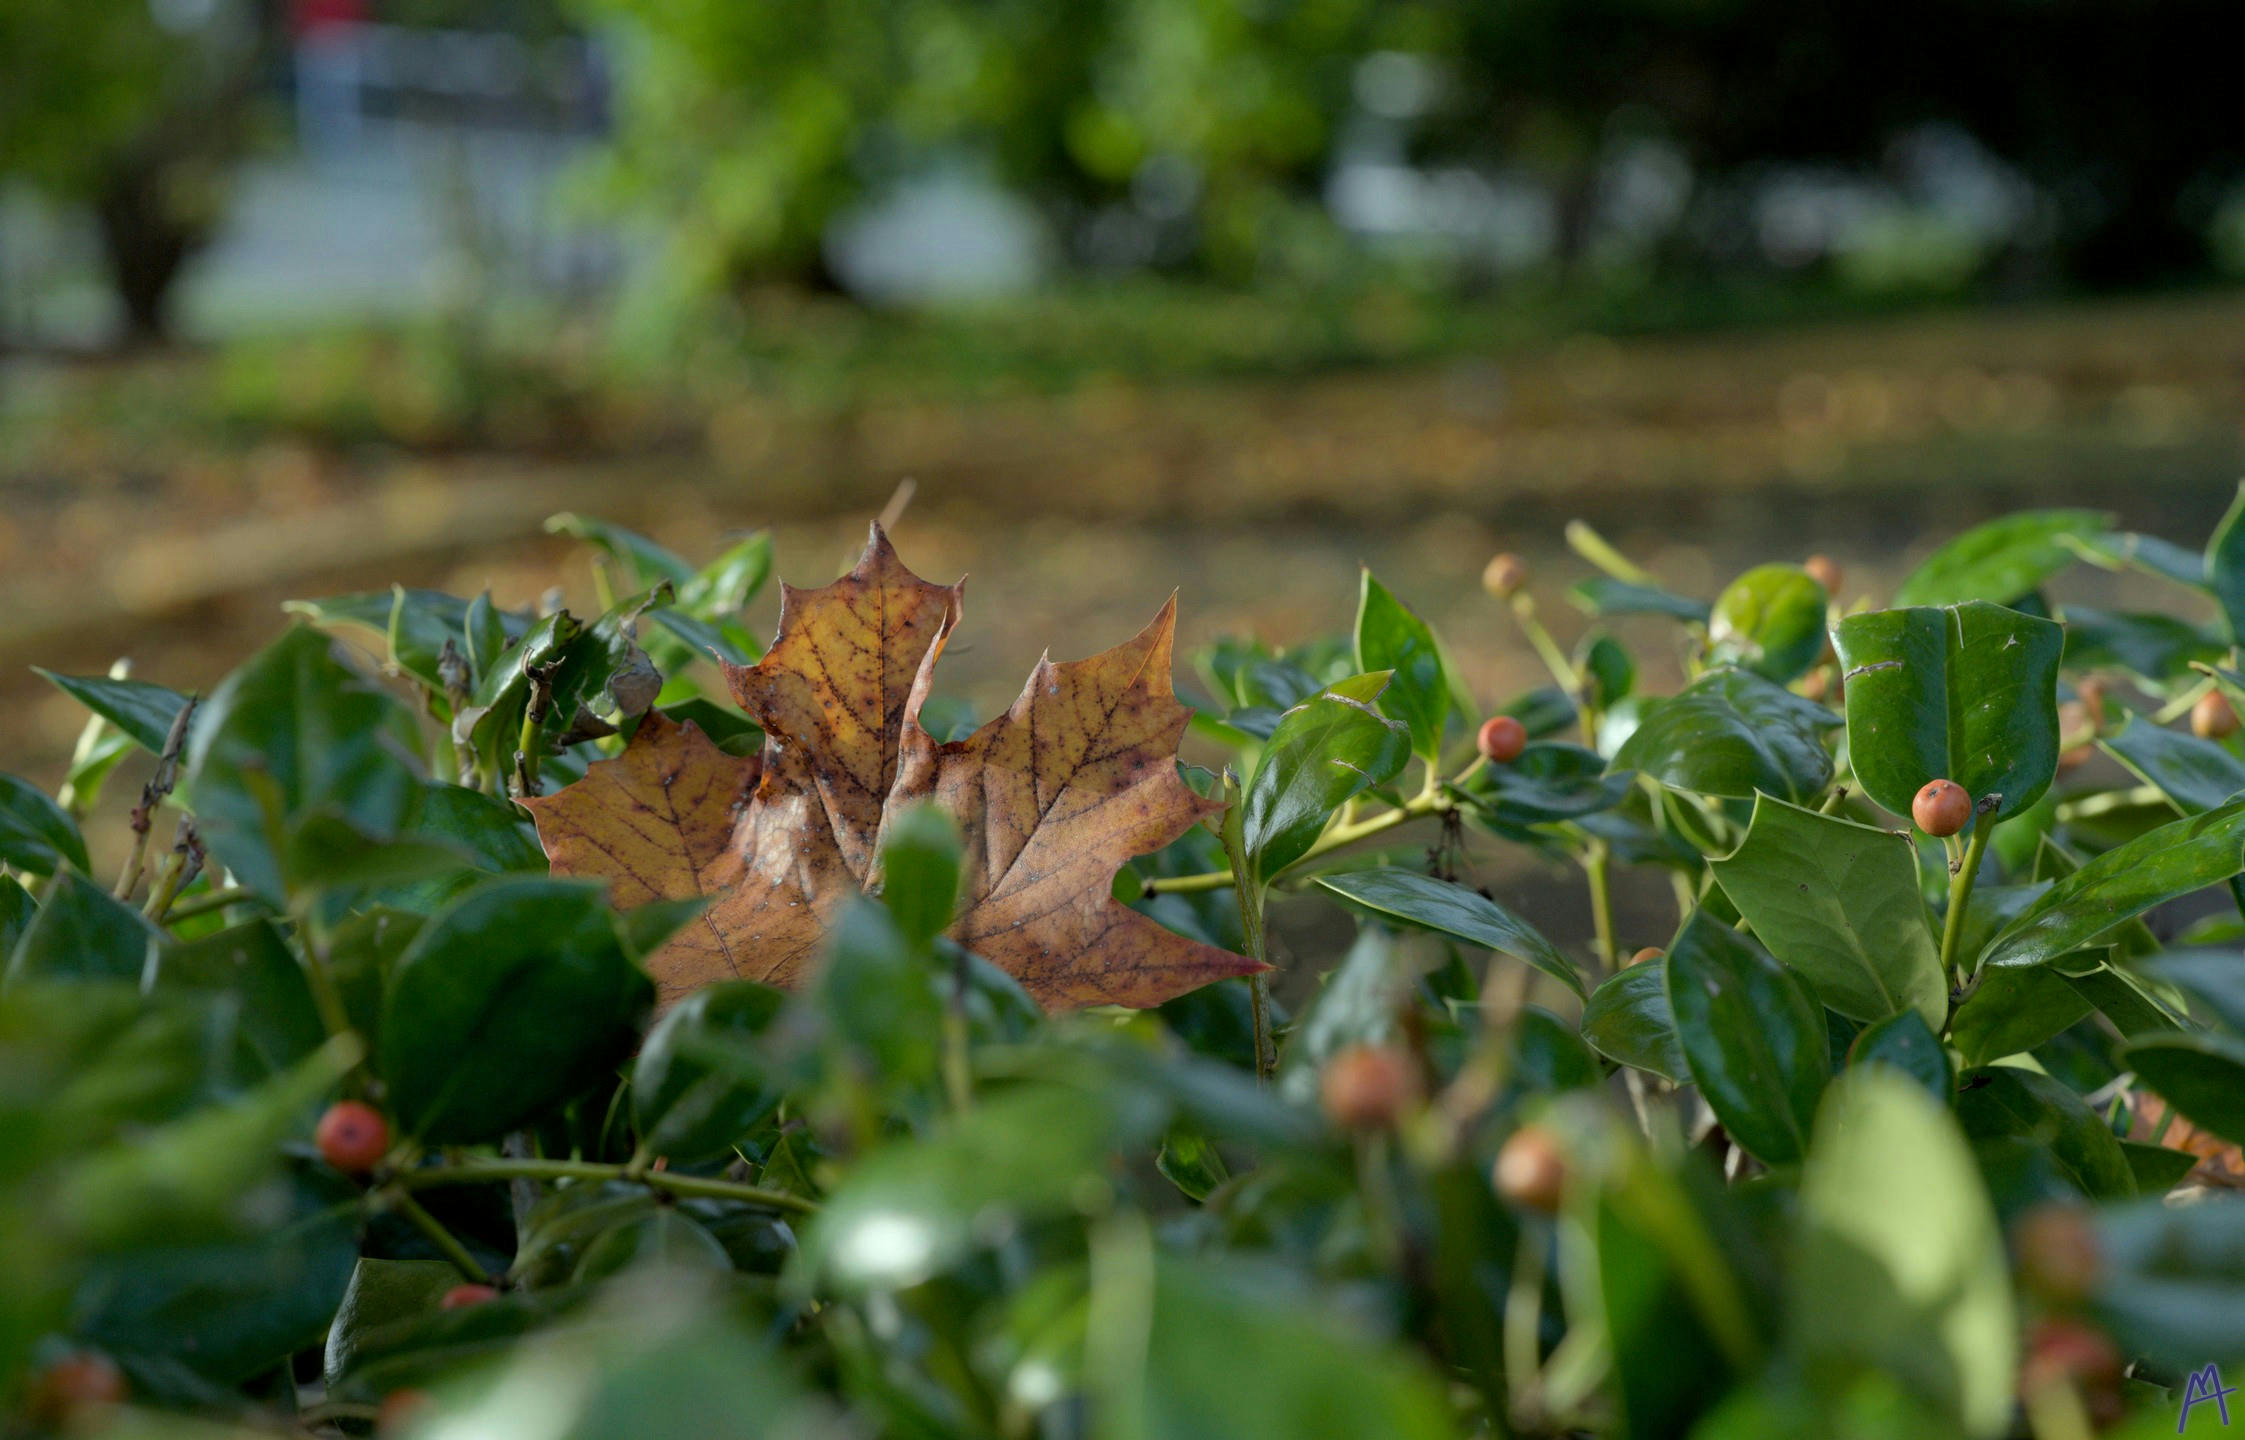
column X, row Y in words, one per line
column 342, row 1110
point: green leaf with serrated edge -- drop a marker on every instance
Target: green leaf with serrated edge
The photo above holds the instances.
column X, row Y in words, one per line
column 1419, row 691
column 1753, row 1036
column 291, row 732
column 1604, row 595
column 2195, row 775
column 140, row 710
column 1453, row 910
column 1326, row 750
column 1552, row 780
column 2173, row 860
column 36, row 834
column 1839, row 903
column 512, row 998
column 1901, row 1267
column 2006, row 1101
column 1967, row 693
column 2001, row 560
column 1627, row 1020
column 1769, row 620
column 1731, row 733
column 2202, row 1075
column 2225, row 565
column 1904, row 1041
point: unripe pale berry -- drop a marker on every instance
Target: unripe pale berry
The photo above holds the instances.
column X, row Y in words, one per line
column 1942, row 808
column 1368, row 1087
column 1504, row 576
column 2213, row 718
column 460, row 1297
column 2057, row 1252
column 1825, row 571
column 352, row 1136
column 1502, row 739
column 1647, row 955
column 1531, row 1173
column 63, row 1393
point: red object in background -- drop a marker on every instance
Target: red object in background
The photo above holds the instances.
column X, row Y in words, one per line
column 310, row 16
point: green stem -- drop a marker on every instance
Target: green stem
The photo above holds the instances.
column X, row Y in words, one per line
column 205, row 903
column 1960, row 893
column 1250, row 894
column 1595, row 866
column 470, row 1172
column 446, row 1242
column 1419, row 806
column 1554, row 659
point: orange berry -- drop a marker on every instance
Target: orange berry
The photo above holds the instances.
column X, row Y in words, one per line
column 1531, row 1173
column 2057, row 1252
column 352, row 1136
column 399, row 1410
column 1502, row 739
column 1368, row 1087
column 1942, row 808
column 460, row 1297
column 1646, row 955
column 1504, row 576
column 2212, row 718
column 63, row 1392
column 1825, row 571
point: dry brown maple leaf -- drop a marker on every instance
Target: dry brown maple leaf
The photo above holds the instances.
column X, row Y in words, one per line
column 1052, row 797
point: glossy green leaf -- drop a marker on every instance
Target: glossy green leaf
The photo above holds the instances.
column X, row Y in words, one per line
column 1453, row 910
column 1548, row 1054
column 699, row 1087
column 82, row 933
column 2001, row 560
column 2202, row 1075
column 2004, row 1101
column 292, row 732
column 1904, row 1041
column 1752, row 1035
column 2171, row 1287
column 2173, row 860
column 1769, row 620
column 253, row 966
column 36, row 835
column 663, row 1238
column 2161, row 648
column 1734, row 734
column 1326, row 750
column 1552, row 780
column 2196, row 775
column 2215, row 978
column 2127, row 549
column 1608, row 672
column 415, row 624
column 2156, row 1168
column 1420, row 691
column 138, row 709
column 1901, row 1269
column 920, row 869
column 2225, row 565
column 1966, row 693
column 512, row 998
column 645, row 563
column 380, row 1293
column 2009, row 1012
column 908, row 1212
column 16, row 911
column 1604, row 595
column 1839, row 903
column 1628, row 1021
